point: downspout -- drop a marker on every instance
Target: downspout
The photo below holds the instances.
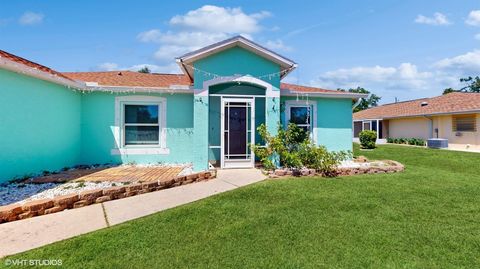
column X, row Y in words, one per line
column 430, row 125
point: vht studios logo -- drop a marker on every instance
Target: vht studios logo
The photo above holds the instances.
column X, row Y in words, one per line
column 32, row 262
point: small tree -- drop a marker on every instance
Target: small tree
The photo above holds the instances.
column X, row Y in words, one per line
column 144, row 70
column 365, row 103
column 368, row 139
column 294, row 149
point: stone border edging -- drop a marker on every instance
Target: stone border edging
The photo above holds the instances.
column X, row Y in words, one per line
column 392, row 167
column 34, row 208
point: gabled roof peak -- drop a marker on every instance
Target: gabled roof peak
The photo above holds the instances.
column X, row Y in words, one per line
column 286, row 64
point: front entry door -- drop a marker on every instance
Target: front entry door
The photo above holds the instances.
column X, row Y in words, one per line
column 237, row 129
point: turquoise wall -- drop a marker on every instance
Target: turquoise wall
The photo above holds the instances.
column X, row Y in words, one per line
column 39, row 126
column 334, row 122
column 98, row 120
column 235, row 61
column 230, row 62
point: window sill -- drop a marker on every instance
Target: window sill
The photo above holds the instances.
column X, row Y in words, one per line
column 140, row 151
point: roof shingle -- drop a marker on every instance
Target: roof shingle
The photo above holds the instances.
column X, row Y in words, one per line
column 456, row 102
column 25, row 62
column 131, row 78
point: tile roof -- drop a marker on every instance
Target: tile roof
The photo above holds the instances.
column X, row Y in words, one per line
column 30, row 64
column 456, row 102
column 131, row 78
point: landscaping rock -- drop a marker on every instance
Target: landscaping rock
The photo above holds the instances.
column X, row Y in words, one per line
column 113, row 192
column 37, row 205
column 80, row 203
column 180, row 179
column 26, row 215
column 90, row 196
column 102, row 199
column 280, row 172
column 150, row 186
column 54, row 209
column 66, row 201
column 10, row 212
column 133, row 187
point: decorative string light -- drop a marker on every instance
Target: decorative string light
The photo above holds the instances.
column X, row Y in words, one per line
column 270, row 76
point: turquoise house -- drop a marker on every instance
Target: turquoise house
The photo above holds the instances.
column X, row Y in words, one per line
column 206, row 116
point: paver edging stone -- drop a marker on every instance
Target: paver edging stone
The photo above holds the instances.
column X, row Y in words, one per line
column 33, row 208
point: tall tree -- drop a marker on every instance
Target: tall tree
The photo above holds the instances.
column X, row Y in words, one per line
column 472, row 85
column 145, row 70
column 365, row 103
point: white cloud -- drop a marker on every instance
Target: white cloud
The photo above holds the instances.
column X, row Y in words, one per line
column 467, row 63
column 277, row 45
column 201, row 27
column 405, row 76
column 437, row 19
column 31, row 18
column 108, row 66
column 473, row 18
column 169, row 69
column 404, row 81
column 219, row 19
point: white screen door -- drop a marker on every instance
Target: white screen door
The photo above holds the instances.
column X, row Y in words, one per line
column 238, row 125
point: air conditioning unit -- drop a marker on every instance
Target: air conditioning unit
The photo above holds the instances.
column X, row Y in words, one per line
column 437, row 143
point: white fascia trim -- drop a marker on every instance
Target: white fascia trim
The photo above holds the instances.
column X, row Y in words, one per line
column 172, row 89
column 285, row 63
column 117, row 128
column 294, row 103
column 324, row 94
column 33, row 72
column 270, row 91
column 229, row 43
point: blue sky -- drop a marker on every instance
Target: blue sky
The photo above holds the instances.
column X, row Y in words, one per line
column 405, row 49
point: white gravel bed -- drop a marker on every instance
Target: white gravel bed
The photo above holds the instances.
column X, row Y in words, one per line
column 22, row 193
column 352, row 164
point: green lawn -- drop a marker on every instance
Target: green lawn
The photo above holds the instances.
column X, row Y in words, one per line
column 425, row 217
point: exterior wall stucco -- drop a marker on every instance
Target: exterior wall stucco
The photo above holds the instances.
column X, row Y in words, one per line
column 39, row 126
column 334, row 122
column 409, row 128
column 444, row 125
column 98, row 121
column 230, row 62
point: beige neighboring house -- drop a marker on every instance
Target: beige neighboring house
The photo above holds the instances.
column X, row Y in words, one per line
column 454, row 116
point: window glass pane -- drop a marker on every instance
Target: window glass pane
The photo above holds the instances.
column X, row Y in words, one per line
column 141, row 113
column 141, row 135
column 299, row 115
column 357, row 128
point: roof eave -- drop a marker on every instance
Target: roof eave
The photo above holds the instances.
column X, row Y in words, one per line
column 39, row 74
column 354, row 96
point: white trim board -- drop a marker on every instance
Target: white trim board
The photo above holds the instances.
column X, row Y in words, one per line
column 302, row 103
column 119, row 147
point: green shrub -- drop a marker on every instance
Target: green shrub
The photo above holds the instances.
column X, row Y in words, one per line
column 368, row 139
column 294, row 149
column 412, row 141
column 390, row 140
column 420, row 142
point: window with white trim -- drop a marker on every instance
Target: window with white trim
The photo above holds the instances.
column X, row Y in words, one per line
column 301, row 116
column 141, row 124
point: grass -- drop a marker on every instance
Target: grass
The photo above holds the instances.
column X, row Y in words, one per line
column 425, row 217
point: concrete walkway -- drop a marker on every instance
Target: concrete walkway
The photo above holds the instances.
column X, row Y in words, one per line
column 23, row 235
